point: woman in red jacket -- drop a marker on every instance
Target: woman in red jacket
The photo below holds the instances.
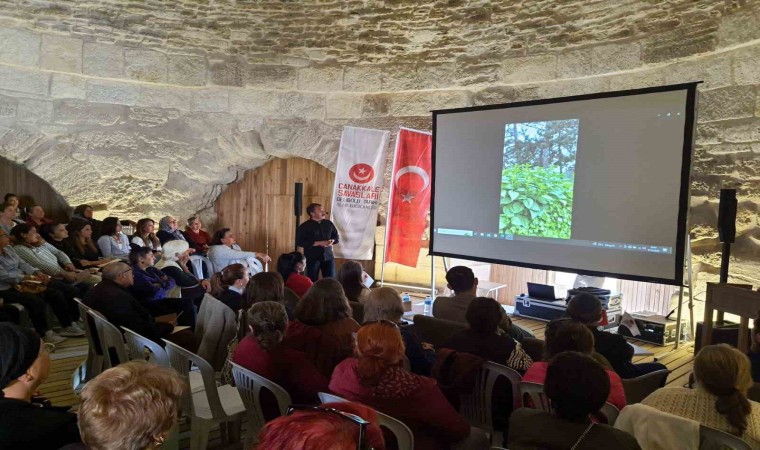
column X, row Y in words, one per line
column 261, row 353
column 291, row 267
column 376, row 377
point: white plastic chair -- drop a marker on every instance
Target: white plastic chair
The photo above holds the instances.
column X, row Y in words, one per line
column 93, row 365
column 199, row 262
column 477, row 407
column 535, row 392
column 540, row 401
column 213, row 405
column 712, row 439
column 143, row 349
column 110, row 338
column 404, row 436
column 249, row 386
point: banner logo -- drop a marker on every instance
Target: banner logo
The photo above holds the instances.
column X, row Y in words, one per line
column 361, row 173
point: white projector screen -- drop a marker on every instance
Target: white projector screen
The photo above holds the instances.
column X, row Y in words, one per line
column 593, row 184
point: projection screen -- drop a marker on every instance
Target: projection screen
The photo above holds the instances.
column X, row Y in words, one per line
column 594, row 184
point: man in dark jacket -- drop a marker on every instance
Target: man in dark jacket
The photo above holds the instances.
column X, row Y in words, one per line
column 317, row 236
column 111, row 298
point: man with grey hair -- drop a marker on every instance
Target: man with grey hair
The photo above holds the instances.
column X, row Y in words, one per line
column 111, row 298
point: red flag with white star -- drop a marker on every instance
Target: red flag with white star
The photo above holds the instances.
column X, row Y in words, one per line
column 409, row 201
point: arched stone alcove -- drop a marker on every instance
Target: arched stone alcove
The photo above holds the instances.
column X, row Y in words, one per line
column 154, row 109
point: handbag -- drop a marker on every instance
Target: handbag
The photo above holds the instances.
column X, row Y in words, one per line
column 27, row 287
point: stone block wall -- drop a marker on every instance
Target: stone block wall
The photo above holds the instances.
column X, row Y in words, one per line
column 152, row 107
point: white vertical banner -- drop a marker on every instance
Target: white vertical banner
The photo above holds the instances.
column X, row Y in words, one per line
column 356, row 195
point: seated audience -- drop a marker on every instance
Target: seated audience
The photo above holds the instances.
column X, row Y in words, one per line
column 56, row 234
column 587, row 309
column 322, row 327
column 158, row 292
column 385, row 304
column 35, row 217
column 326, row 307
column 12, row 199
column 132, row 406
column 351, row 276
column 229, row 285
column 168, row 231
column 144, row 236
column 14, row 272
column 754, row 352
column 720, row 399
column 84, row 213
column 262, row 353
column 332, row 425
column 567, row 335
column 83, row 251
column 266, row 287
column 175, row 262
column 7, row 215
column 113, row 243
column 376, row 377
column 26, row 420
column 112, row 299
column 291, row 266
column 482, row 339
column 462, row 282
column 53, row 262
column 224, row 251
column 577, row 387
column 198, row 238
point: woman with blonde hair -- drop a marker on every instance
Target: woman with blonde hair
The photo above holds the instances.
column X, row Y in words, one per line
column 144, row 235
column 262, row 352
column 376, row 377
column 385, row 304
column 720, row 399
column 133, row 406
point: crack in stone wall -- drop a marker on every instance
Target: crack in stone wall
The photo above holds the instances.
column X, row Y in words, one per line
column 151, row 108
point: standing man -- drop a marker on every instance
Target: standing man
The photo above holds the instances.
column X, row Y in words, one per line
column 317, row 236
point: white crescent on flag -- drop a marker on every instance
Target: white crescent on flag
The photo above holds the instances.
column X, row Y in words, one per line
column 416, row 170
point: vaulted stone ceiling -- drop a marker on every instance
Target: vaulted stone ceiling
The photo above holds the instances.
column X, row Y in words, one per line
column 152, row 107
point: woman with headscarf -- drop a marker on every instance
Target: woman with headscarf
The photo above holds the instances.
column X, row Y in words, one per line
column 27, row 421
column 168, row 231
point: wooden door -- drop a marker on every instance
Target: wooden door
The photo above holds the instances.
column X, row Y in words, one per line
column 259, row 207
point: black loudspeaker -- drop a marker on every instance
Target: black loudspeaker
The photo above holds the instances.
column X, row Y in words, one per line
column 298, row 200
column 727, row 216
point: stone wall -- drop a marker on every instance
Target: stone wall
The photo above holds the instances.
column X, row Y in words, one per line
column 152, row 107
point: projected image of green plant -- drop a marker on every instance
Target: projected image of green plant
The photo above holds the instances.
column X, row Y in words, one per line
column 537, row 178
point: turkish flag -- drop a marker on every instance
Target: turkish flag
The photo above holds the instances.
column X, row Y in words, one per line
column 409, row 201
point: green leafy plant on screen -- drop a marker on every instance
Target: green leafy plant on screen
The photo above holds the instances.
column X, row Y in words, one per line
column 536, row 201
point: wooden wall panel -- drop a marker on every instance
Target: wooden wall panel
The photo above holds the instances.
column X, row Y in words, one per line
column 259, row 207
column 31, row 189
column 516, row 279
